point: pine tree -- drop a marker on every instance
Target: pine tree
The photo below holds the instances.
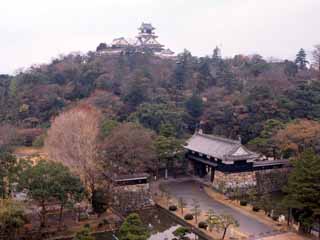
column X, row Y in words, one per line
column 303, row 192
column 301, row 59
column 133, row 229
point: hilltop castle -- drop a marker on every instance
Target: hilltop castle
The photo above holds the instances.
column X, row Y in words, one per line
column 146, row 41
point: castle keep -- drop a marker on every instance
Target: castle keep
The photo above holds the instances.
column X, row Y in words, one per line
column 145, row 41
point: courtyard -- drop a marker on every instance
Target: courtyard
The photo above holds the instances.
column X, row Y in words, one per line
column 191, row 190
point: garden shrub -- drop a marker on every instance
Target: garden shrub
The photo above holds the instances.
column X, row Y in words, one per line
column 188, row 216
column 173, row 208
column 203, row 225
column 243, row 203
column 255, row 208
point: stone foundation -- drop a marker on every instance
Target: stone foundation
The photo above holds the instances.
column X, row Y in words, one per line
column 265, row 180
column 224, row 181
column 131, row 198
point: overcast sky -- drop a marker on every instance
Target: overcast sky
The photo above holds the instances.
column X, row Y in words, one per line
column 35, row 31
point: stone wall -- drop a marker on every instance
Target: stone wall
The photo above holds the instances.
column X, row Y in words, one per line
column 224, row 181
column 131, row 198
column 265, row 180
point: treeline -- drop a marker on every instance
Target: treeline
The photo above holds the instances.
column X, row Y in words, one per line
column 243, row 96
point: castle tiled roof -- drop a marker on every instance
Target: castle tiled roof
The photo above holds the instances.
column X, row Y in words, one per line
column 219, row 147
column 147, row 26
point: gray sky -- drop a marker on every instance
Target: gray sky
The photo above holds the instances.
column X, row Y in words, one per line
column 35, row 31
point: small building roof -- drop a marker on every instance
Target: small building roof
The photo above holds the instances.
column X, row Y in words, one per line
column 120, row 41
column 127, row 177
column 167, row 52
column 147, row 26
column 219, row 147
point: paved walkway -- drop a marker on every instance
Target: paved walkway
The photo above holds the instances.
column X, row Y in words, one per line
column 285, row 236
column 190, row 190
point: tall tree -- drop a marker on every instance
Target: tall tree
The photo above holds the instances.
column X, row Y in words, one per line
column 303, row 193
column 169, row 150
column 195, row 106
column 128, row 149
column 73, row 140
column 133, row 229
column 301, row 59
column 316, row 58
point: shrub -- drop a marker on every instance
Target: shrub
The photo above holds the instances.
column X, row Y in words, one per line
column 173, row 208
column 243, row 203
column 203, row 225
column 255, row 208
column 188, row 216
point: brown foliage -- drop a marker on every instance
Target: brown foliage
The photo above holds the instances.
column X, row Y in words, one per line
column 298, row 135
column 7, row 135
column 129, row 149
column 72, row 140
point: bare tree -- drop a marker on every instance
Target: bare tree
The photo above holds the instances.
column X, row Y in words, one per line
column 182, row 204
column 7, row 135
column 196, row 211
column 316, row 58
column 225, row 221
column 212, row 219
column 168, row 198
column 73, row 140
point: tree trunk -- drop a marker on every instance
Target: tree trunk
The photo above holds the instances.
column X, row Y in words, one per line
column 224, row 233
column 60, row 215
column 319, row 228
column 43, row 213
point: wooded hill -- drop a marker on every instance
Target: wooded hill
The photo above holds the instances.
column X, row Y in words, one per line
column 243, row 96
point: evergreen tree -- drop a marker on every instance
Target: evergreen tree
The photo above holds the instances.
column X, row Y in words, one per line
column 195, row 106
column 303, row 193
column 181, row 233
column 133, row 229
column 183, row 69
column 12, row 218
column 301, row 59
